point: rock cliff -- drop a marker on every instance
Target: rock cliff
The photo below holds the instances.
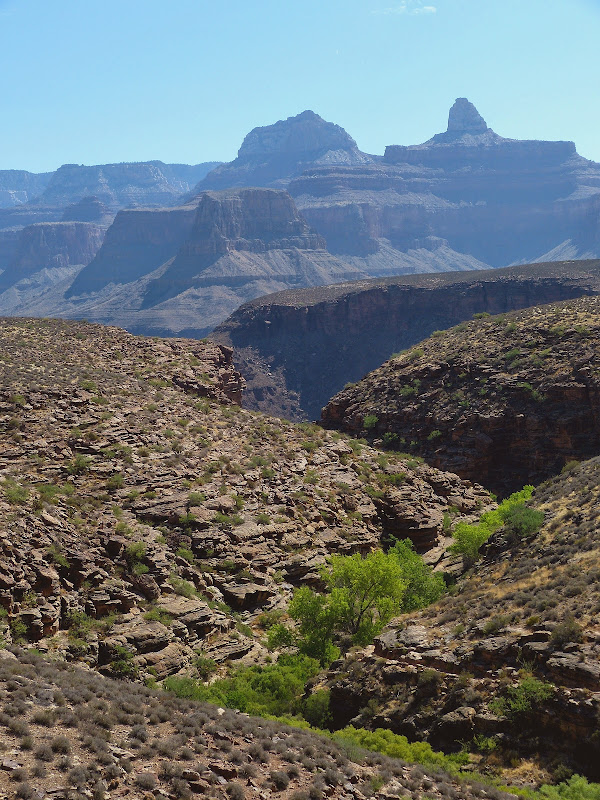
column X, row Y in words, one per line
column 18, row 186
column 50, row 246
column 149, row 183
column 298, row 348
column 185, row 269
column 510, row 399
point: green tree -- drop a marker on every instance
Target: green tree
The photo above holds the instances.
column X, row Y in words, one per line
column 513, row 513
column 423, row 585
column 316, row 624
column 362, row 595
column 365, row 593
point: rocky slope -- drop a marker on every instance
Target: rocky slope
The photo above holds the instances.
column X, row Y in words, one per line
column 468, row 669
column 183, row 270
column 509, row 399
column 71, row 733
column 296, row 349
column 144, row 516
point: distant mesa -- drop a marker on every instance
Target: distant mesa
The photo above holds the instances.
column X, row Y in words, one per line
column 468, row 137
column 182, row 270
column 178, row 256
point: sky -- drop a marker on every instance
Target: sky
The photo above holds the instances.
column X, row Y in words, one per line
column 101, row 81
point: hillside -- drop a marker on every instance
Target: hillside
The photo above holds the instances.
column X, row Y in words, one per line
column 509, row 399
column 145, row 519
column 72, row 733
column 297, row 348
column 510, row 661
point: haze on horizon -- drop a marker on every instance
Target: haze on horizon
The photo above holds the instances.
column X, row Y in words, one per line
column 134, row 80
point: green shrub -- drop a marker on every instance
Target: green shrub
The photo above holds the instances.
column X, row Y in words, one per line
column 135, row 552
column 469, row 538
column 521, row 699
column 79, row 465
column 273, row 689
column 159, row 615
column 395, row 745
column 115, row 481
column 182, row 587
column 80, row 624
column 123, row 666
column 205, row 667
column 576, row 788
column 370, row 421
column 196, row 499
column 315, row 709
column 186, row 553
column 15, row 494
column 566, row 631
column 521, row 521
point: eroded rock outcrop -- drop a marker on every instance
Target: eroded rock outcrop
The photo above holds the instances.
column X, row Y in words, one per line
column 184, row 269
column 52, row 246
column 274, row 154
column 469, row 188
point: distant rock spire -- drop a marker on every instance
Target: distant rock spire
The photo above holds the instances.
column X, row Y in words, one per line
column 464, row 118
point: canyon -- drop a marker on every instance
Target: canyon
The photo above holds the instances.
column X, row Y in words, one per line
column 298, row 348
column 468, row 199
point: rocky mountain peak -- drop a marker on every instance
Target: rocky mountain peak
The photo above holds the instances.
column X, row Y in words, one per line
column 464, row 118
column 307, row 134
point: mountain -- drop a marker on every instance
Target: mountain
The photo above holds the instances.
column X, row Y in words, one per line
column 508, row 660
column 298, row 348
column 149, row 183
column 185, row 269
column 273, row 155
column 508, row 399
column 44, row 198
column 480, row 196
column 49, row 246
column 467, row 199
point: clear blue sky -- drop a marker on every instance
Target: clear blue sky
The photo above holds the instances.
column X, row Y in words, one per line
column 97, row 81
